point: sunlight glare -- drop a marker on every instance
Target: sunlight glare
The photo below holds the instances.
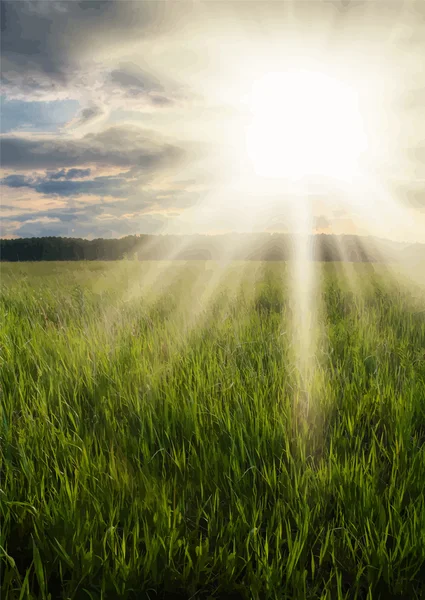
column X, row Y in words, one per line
column 304, row 123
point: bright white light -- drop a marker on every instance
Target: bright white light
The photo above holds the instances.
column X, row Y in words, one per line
column 304, row 123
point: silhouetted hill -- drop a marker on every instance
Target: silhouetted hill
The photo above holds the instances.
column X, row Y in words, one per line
column 232, row 246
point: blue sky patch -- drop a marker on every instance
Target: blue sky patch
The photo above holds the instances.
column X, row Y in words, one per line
column 18, row 115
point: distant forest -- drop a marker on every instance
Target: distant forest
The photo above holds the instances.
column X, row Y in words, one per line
column 244, row 246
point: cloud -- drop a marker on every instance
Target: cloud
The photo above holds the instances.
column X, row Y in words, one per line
column 88, row 222
column 17, row 181
column 131, row 83
column 100, row 186
column 72, row 68
column 65, row 184
column 118, row 146
column 85, row 206
column 60, row 49
column 88, row 115
column 70, row 174
column 321, row 222
column 411, row 195
column 134, row 80
column 48, row 38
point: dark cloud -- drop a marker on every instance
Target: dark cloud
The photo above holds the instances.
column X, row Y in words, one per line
column 17, row 181
column 45, row 45
column 65, row 215
column 105, row 186
column 60, row 51
column 88, row 115
column 99, row 186
column 116, row 146
column 70, row 174
column 130, row 81
column 132, row 77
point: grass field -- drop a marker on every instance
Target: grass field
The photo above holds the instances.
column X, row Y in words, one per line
column 162, row 438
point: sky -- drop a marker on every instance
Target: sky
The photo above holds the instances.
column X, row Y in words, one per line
column 127, row 117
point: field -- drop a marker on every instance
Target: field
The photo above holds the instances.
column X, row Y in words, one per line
column 164, row 436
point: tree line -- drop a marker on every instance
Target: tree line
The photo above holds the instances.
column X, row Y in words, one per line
column 244, row 246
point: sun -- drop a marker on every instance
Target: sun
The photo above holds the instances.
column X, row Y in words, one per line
column 304, row 123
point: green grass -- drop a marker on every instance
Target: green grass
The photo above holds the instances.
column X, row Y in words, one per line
column 157, row 446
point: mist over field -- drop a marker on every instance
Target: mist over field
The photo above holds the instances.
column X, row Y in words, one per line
column 230, row 246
